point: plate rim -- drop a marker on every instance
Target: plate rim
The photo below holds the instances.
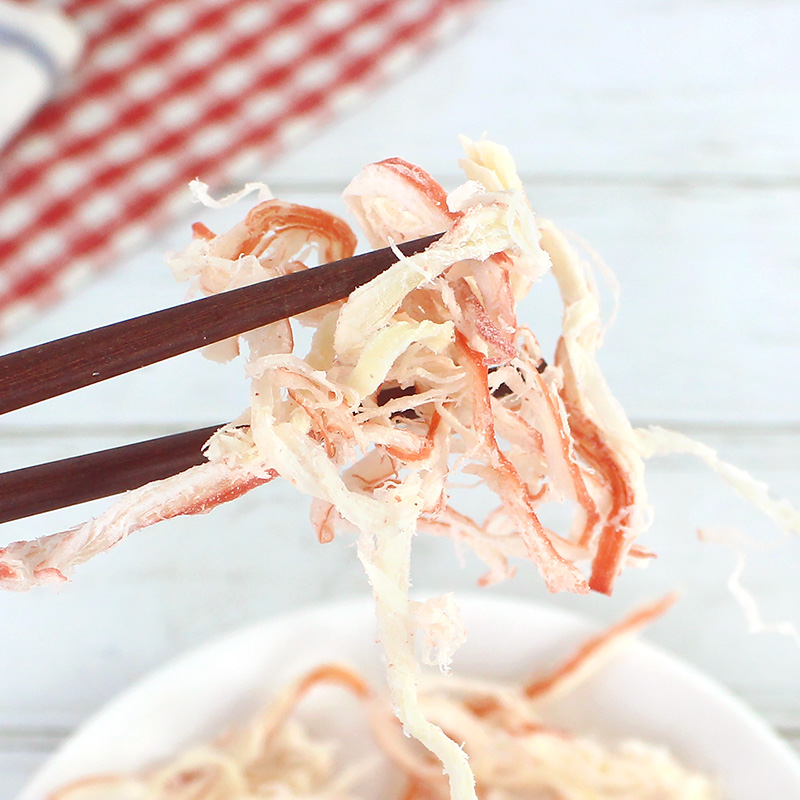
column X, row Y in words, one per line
column 573, row 624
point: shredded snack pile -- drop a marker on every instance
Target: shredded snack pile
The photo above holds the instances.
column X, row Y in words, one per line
column 513, row 750
column 421, row 374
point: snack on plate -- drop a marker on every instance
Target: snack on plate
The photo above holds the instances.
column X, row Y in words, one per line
column 513, row 751
column 422, row 374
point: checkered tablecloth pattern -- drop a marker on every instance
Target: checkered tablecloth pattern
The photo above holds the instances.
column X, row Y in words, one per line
column 169, row 90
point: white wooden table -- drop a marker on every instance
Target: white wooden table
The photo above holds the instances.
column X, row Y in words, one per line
column 668, row 135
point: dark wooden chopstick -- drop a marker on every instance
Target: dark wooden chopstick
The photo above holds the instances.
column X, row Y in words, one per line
column 47, row 370
column 58, row 484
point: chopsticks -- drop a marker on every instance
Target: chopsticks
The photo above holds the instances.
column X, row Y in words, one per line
column 48, row 370
column 69, row 481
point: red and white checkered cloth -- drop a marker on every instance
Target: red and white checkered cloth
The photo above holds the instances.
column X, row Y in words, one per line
column 170, row 90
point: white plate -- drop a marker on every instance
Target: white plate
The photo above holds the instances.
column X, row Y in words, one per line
column 644, row 693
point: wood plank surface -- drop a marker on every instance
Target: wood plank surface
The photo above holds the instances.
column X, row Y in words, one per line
column 677, row 91
column 709, row 293
column 666, row 134
column 191, row 579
